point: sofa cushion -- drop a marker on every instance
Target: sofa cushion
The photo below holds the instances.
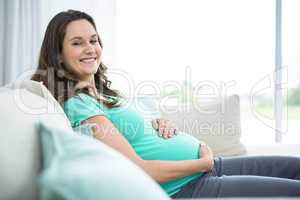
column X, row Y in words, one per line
column 79, row 167
column 216, row 122
column 19, row 149
column 39, row 89
column 273, row 149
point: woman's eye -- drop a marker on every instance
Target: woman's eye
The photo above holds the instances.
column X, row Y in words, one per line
column 76, row 43
column 94, row 41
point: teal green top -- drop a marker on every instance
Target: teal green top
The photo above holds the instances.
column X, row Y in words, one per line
column 139, row 133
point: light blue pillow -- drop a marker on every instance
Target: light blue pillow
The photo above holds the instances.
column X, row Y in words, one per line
column 85, row 129
column 77, row 167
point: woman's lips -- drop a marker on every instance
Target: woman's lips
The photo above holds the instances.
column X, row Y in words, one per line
column 87, row 60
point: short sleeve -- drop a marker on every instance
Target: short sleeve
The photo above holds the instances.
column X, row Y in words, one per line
column 81, row 107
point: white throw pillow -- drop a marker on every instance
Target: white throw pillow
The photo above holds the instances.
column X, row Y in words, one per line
column 217, row 123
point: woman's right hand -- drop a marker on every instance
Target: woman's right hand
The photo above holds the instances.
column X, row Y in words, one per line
column 206, row 156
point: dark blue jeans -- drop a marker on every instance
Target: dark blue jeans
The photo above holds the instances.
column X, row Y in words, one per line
column 248, row 176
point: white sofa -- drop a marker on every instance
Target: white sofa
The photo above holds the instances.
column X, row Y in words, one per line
column 25, row 103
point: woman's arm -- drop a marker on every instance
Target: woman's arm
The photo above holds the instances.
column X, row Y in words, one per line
column 160, row 171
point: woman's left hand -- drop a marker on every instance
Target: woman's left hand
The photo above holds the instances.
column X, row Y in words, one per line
column 206, row 155
column 165, row 128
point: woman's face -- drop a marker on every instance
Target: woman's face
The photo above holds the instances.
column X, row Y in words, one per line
column 81, row 50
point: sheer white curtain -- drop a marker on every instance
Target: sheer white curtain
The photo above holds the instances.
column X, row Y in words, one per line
column 20, row 37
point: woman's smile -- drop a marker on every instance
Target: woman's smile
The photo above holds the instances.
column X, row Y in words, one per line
column 89, row 62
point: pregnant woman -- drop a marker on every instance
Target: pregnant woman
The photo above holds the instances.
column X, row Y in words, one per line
column 70, row 67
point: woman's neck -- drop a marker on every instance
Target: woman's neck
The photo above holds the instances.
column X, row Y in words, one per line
column 90, row 80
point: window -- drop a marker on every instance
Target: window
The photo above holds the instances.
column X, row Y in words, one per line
column 291, row 60
column 228, row 46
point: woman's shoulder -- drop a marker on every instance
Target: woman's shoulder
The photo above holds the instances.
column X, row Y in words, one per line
column 79, row 100
column 81, row 107
column 83, row 100
column 83, row 97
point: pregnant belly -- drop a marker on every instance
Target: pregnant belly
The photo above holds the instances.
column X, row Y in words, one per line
column 180, row 147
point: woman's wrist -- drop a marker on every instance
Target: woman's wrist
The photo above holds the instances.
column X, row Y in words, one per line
column 205, row 164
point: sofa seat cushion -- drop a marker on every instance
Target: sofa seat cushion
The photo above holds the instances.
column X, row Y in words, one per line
column 274, row 149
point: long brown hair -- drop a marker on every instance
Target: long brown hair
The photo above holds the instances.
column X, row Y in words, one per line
column 53, row 73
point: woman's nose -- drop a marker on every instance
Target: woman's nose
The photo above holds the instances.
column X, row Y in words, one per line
column 89, row 49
